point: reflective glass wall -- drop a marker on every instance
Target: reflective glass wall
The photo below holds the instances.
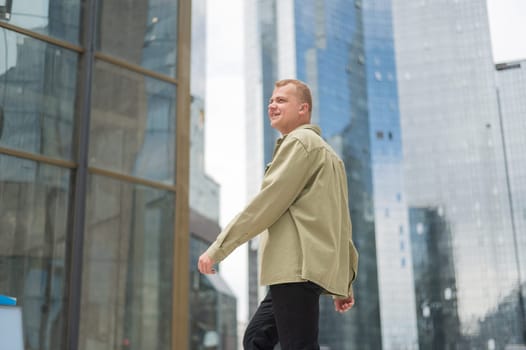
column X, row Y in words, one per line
column 92, row 98
column 459, row 148
column 330, row 57
column 511, row 85
column 328, row 45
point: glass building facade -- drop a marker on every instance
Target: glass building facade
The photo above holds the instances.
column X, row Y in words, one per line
column 406, row 92
column 457, row 157
column 345, row 52
column 94, row 130
column 511, row 94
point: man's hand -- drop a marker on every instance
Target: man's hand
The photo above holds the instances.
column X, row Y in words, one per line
column 342, row 305
column 205, row 264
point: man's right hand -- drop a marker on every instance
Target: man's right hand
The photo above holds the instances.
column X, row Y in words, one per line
column 342, row 305
column 205, row 264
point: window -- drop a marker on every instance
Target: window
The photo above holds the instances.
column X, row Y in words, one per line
column 5, row 9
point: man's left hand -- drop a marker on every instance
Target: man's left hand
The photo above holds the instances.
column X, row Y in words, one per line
column 205, row 264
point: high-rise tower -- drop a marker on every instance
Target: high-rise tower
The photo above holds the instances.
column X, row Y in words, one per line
column 345, row 52
column 455, row 161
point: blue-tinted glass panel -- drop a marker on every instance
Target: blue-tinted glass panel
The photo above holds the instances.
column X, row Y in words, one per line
column 140, row 32
column 213, row 322
column 58, row 18
column 33, row 235
column 132, row 124
column 127, row 286
column 330, row 57
column 37, row 95
column 461, row 175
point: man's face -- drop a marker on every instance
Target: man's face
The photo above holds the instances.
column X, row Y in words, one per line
column 285, row 111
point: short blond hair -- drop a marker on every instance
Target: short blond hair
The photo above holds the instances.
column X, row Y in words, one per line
column 302, row 90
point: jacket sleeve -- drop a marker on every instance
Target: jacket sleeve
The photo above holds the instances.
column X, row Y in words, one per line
column 286, row 177
column 353, row 266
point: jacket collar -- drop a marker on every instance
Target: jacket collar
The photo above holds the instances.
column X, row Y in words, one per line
column 312, row 127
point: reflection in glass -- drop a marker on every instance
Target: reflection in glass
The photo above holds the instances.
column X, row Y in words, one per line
column 128, row 260
column 213, row 322
column 435, row 280
column 333, row 53
column 33, row 207
column 58, row 18
column 37, row 95
column 132, row 124
column 458, row 187
column 155, row 21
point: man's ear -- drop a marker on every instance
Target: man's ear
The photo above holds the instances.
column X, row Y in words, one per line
column 304, row 113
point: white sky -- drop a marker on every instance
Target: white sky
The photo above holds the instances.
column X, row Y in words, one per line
column 225, row 106
column 225, row 128
column 507, row 19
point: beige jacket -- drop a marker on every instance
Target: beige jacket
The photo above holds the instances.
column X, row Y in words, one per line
column 303, row 203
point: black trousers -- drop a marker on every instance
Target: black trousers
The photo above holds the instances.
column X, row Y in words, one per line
column 289, row 315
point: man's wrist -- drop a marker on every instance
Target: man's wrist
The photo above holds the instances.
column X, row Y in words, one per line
column 215, row 252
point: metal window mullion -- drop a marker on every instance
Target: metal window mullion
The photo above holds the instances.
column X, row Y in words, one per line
column 134, row 180
column 37, row 158
column 180, row 279
column 80, row 180
column 42, row 37
column 134, row 68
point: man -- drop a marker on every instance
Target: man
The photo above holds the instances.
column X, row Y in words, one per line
column 307, row 247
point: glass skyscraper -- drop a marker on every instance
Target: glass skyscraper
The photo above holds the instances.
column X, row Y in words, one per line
column 433, row 140
column 345, row 52
column 459, row 150
column 511, row 94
